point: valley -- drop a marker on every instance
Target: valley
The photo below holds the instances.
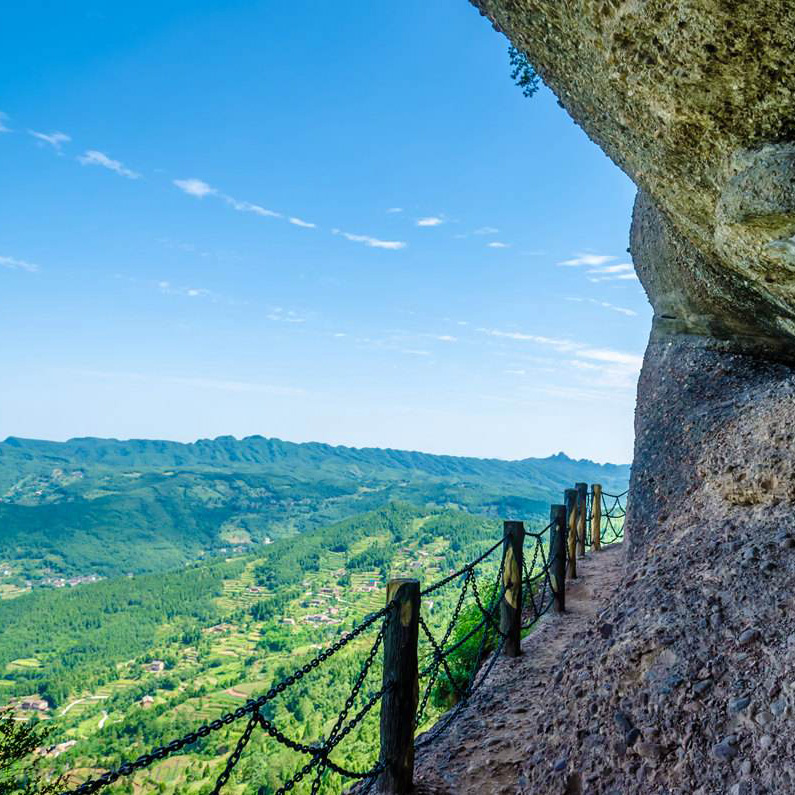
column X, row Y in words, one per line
column 200, row 589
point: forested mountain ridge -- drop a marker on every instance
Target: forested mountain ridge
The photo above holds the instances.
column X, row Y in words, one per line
column 33, row 456
column 106, row 507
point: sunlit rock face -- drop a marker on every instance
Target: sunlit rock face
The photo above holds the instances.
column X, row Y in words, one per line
column 695, row 101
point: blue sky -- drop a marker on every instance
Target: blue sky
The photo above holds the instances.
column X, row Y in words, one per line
column 334, row 222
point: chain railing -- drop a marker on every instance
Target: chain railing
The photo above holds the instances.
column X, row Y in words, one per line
column 613, row 513
column 424, row 665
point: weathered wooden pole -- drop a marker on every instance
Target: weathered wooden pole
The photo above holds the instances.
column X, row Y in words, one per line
column 596, row 516
column 582, row 516
column 399, row 704
column 570, row 499
column 557, row 555
column 511, row 603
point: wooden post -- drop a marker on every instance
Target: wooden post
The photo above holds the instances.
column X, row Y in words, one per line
column 570, row 498
column 399, row 705
column 596, row 517
column 511, row 604
column 557, row 555
column 582, row 516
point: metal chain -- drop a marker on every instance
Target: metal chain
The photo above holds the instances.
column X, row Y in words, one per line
column 234, row 757
column 320, row 760
column 439, row 656
column 162, row 752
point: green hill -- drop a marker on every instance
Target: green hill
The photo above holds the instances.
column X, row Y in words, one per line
column 107, row 506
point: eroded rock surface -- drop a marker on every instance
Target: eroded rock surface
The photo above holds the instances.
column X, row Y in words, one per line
column 693, row 690
column 695, row 101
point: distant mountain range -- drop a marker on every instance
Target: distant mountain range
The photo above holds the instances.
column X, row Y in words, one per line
column 110, row 506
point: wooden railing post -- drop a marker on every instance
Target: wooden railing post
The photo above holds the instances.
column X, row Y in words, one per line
column 582, row 516
column 596, row 516
column 399, row 703
column 557, row 555
column 511, row 603
column 570, row 499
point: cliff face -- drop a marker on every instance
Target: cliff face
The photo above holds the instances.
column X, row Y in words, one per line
column 693, row 689
column 695, row 101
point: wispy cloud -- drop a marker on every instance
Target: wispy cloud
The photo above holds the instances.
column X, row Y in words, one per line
column 487, row 230
column 199, row 188
column 223, row 384
column 3, row 118
column 248, row 207
column 498, row 244
column 298, row 222
column 94, row 158
column 560, row 344
column 195, row 187
column 54, row 139
column 606, row 305
column 613, row 357
column 395, row 210
column 440, row 337
column 415, row 352
column 591, row 260
column 373, row 242
column 190, row 292
column 624, row 271
column 281, row 315
column 431, row 220
column 618, row 366
column 18, row 264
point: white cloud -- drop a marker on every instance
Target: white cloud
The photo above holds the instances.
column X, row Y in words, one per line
column 200, row 189
column 190, row 292
column 487, row 230
column 606, row 305
column 560, row 344
column 94, row 158
column 624, row 271
column 226, row 385
column 18, row 264
column 431, row 220
column 373, row 242
column 54, row 139
column 620, row 309
column 591, row 260
column 614, row 357
column 619, row 367
column 195, row 187
column 497, row 244
column 281, row 315
column 248, row 207
column 395, row 210
column 414, row 352
column 3, row 128
column 298, row 222
column 447, row 338
column 623, row 267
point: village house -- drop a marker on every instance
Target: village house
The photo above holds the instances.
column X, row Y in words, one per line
column 156, row 666
column 34, row 704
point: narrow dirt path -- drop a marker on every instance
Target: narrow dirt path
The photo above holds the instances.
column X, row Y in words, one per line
column 483, row 751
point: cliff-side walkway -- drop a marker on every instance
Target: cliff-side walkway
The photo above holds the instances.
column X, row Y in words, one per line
column 494, row 738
